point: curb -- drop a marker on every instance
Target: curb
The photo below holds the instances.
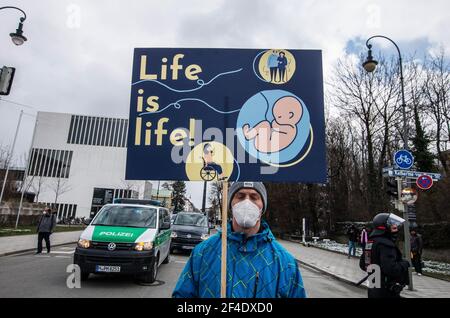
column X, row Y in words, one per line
column 324, row 249
column 345, row 280
column 32, row 249
column 341, row 253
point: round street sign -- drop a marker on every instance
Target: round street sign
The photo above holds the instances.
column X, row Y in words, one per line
column 409, row 196
column 403, row 159
column 424, row 182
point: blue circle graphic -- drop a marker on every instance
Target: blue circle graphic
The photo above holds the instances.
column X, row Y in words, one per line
column 403, row 159
column 259, row 108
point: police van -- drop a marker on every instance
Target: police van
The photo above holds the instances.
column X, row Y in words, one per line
column 125, row 238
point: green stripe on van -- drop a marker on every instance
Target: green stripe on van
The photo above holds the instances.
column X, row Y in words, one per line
column 117, row 234
column 162, row 237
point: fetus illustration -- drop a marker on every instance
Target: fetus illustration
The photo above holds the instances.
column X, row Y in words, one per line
column 269, row 137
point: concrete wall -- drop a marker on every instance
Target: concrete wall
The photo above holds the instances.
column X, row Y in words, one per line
column 29, row 214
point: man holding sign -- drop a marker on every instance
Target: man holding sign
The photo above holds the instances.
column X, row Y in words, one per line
column 257, row 265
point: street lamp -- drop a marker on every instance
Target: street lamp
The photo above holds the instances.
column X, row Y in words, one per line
column 17, row 37
column 370, row 65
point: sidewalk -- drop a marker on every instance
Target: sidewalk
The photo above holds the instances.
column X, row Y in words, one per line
column 340, row 267
column 24, row 243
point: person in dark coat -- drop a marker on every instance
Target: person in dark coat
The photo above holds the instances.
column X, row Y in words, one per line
column 382, row 251
column 352, row 234
column 282, row 63
column 45, row 228
column 416, row 251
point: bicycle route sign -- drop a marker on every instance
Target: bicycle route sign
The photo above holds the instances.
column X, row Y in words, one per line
column 403, row 159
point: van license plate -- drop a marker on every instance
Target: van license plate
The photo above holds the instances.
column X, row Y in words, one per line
column 107, row 269
column 187, row 247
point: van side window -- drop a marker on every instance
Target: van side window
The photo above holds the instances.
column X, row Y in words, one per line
column 161, row 217
column 166, row 216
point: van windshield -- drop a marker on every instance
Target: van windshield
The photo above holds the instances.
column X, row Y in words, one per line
column 193, row 219
column 128, row 216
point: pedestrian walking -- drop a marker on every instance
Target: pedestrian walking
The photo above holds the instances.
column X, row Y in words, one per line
column 45, row 228
column 352, row 234
column 416, row 251
column 363, row 238
column 257, row 265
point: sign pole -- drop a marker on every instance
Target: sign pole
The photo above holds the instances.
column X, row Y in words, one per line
column 223, row 273
column 407, row 246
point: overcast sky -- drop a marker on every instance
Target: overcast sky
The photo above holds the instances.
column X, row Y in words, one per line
column 78, row 56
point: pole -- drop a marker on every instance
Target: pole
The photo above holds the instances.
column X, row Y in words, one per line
column 10, row 156
column 407, row 247
column 223, row 272
column 26, row 173
column 407, row 244
column 204, row 197
column 304, row 231
column 157, row 191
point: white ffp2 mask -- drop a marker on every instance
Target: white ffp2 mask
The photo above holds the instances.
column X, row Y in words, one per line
column 246, row 213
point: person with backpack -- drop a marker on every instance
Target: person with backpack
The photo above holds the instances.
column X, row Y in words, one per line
column 382, row 252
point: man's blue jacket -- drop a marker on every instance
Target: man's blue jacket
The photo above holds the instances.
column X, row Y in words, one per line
column 257, row 266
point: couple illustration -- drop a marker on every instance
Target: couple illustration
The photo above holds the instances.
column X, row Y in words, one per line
column 277, row 66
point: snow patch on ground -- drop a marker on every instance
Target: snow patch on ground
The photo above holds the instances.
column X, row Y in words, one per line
column 430, row 266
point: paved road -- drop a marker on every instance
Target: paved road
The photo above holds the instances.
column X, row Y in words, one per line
column 29, row 275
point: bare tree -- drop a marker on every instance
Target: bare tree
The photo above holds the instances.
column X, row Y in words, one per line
column 436, row 92
column 215, row 197
column 167, row 185
column 37, row 184
column 370, row 102
column 59, row 186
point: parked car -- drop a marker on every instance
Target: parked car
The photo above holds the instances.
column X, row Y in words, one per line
column 188, row 230
column 125, row 238
column 172, row 218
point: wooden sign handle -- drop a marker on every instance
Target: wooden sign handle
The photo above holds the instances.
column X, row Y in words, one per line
column 223, row 273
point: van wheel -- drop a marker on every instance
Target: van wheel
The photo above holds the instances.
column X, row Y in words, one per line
column 167, row 259
column 150, row 276
column 84, row 276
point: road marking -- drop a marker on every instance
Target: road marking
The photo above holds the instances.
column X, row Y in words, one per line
column 62, row 252
column 61, row 256
column 67, row 248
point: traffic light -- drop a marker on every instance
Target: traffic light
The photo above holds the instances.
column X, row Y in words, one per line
column 6, row 79
column 391, row 188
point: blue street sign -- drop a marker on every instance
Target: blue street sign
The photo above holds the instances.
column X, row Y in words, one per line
column 391, row 172
column 403, row 159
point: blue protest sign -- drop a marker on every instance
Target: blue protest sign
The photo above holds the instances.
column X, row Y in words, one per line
column 403, row 159
column 226, row 114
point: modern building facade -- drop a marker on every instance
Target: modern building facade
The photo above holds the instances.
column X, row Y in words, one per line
column 77, row 163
